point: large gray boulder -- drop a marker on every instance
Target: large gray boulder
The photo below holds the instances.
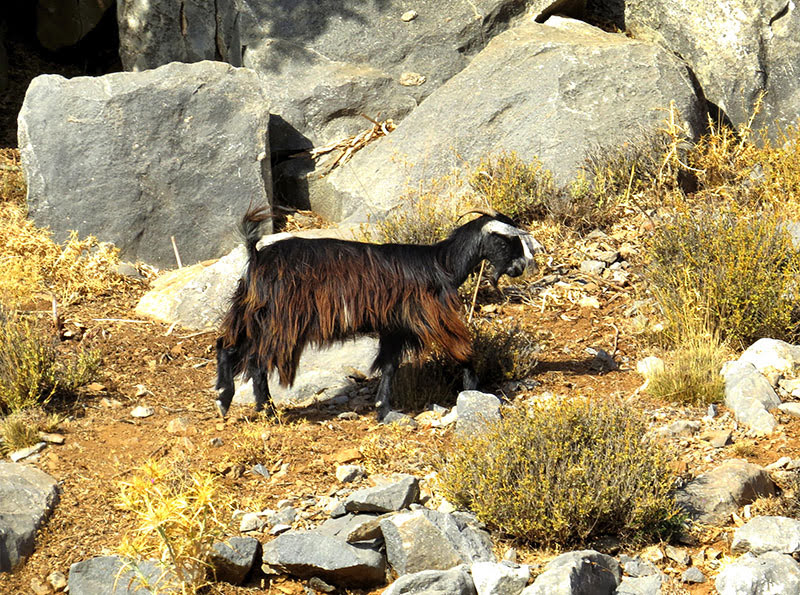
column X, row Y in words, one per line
column 385, row 497
column 135, row 158
column 307, row 554
column 552, row 90
column 711, row 497
column 27, row 497
column 155, row 32
column 738, row 49
column 61, row 24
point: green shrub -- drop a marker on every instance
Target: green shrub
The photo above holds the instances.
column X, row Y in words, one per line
column 563, row 473
column 691, row 373
column 717, row 271
column 30, row 370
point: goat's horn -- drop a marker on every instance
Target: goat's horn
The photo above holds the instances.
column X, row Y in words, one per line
column 489, row 211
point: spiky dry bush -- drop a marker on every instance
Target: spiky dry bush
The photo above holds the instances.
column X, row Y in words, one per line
column 21, row 428
column 503, row 351
column 724, row 271
column 31, row 370
column 31, row 262
column 691, row 372
column 178, row 519
column 563, row 472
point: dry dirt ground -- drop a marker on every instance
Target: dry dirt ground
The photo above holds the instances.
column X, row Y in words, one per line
column 172, row 370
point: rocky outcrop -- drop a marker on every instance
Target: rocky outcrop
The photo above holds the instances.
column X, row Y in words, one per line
column 737, row 49
column 138, row 158
column 552, row 91
column 156, row 32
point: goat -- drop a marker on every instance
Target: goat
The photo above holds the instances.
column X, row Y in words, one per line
column 297, row 291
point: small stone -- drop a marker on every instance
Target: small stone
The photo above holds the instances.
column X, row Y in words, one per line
column 318, row 584
column 693, row 575
column 347, row 455
column 718, row 438
column 52, row 438
column 279, row 528
column 259, row 469
column 349, row 473
column 348, row 415
column 652, row 554
column 409, row 16
column 57, row 580
column 110, row 403
column 589, row 301
column 141, row 390
column 676, row 554
column 40, row 587
column 446, row 507
column 400, row 419
column 179, row 425
column 142, row 411
column 650, row 366
column 779, row 464
column 251, row 521
column 24, row 453
column 216, row 442
column 411, row 79
column 592, row 267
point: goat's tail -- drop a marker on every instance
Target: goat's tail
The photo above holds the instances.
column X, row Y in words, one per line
column 251, row 225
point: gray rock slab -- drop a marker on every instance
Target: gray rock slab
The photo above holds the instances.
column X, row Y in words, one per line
column 232, row 560
column 636, row 567
column 308, row 554
column 712, row 497
column 768, row 574
column 492, row 578
column 750, row 395
column 180, row 151
column 27, row 497
column 110, row 575
column 585, row 572
column 476, row 410
column 737, row 49
column 645, row 585
column 155, row 32
column 353, row 527
column 456, row 581
column 767, row 534
column 556, row 89
column 388, row 497
column 429, row 540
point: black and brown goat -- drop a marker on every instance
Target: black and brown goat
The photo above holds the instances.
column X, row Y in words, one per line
column 298, row 291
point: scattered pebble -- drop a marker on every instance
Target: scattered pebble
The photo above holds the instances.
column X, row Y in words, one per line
column 409, row 16
column 24, row 453
column 142, row 411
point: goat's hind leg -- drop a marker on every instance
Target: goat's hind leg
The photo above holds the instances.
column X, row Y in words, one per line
column 226, row 362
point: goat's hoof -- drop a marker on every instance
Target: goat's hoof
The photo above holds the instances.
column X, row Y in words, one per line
column 221, row 409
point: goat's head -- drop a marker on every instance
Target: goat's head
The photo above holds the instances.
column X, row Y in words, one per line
column 507, row 247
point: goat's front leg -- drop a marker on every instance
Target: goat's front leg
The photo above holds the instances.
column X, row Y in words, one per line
column 226, row 360
column 388, row 360
column 260, row 387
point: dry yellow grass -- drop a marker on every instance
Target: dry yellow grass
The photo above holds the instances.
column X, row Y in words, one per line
column 32, row 263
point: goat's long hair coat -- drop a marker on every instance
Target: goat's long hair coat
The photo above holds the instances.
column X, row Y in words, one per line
column 298, row 291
